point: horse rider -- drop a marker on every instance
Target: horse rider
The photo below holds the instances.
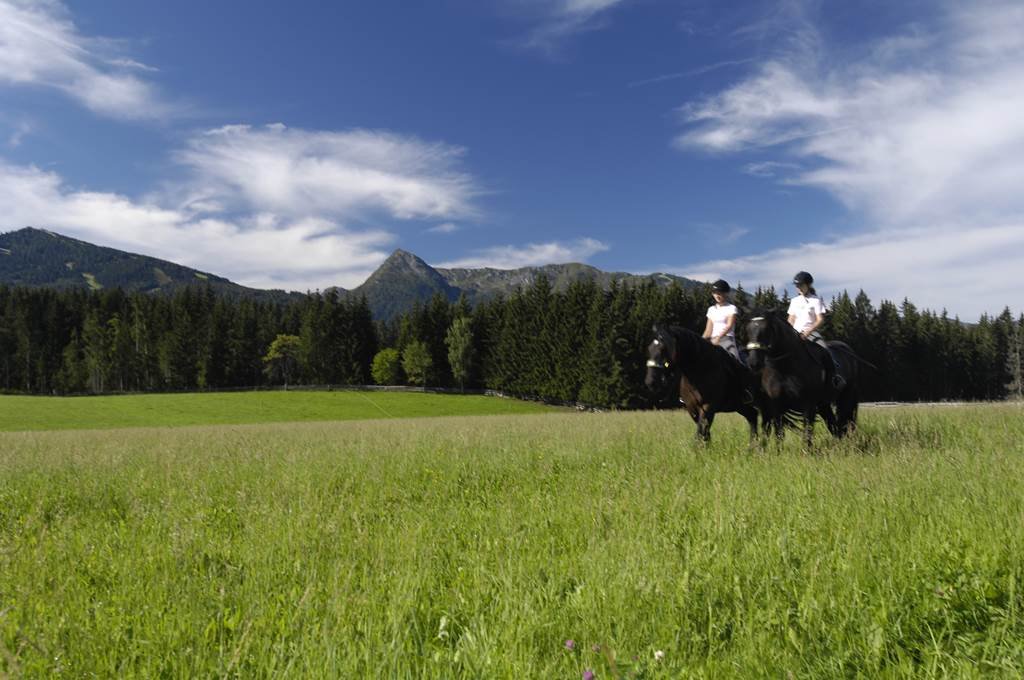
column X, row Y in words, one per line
column 806, row 314
column 721, row 326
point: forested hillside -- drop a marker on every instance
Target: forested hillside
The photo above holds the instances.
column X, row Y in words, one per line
column 37, row 257
column 583, row 344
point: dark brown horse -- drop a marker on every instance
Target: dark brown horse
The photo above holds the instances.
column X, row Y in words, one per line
column 709, row 380
column 794, row 375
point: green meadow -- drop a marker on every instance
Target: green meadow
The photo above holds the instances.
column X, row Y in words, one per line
column 236, row 408
column 473, row 547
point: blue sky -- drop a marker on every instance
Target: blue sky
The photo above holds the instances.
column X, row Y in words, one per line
column 878, row 145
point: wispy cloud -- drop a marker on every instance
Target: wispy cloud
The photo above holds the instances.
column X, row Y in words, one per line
column 769, row 168
column 689, row 73
column 530, row 255
column 444, row 228
column 267, row 207
column 41, row 46
column 555, row 21
column 21, row 129
column 924, row 129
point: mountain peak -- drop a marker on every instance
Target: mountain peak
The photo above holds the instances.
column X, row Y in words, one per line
column 405, row 259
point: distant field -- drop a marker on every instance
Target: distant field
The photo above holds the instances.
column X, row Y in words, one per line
column 216, row 408
column 476, row 547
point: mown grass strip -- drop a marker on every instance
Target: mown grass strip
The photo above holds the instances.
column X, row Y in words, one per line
column 216, row 408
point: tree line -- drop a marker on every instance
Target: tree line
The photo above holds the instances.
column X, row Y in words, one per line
column 582, row 345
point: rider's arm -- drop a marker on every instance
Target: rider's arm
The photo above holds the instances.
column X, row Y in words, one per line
column 729, row 325
column 818, row 320
column 707, row 329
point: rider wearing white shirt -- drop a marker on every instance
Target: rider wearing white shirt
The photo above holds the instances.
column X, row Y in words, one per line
column 721, row 326
column 807, row 313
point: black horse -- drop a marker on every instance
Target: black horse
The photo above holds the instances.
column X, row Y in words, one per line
column 796, row 375
column 709, row 380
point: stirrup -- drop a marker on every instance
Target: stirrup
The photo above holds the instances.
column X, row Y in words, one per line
column 838, row 381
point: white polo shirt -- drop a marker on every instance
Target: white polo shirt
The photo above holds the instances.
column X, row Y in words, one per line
column 806, row 311
column 719, row 318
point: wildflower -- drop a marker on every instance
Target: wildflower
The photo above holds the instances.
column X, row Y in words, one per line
column 659, row 655
column 570, row 644
column 588, row 675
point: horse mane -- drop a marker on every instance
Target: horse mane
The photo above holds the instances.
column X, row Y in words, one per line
column 706, row 351
column 776, row 316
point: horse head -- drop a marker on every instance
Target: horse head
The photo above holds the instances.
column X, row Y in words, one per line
column 763, row 335
column 662, row 354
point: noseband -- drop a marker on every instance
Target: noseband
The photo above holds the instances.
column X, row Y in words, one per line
column 651, row 363
column 758, row 345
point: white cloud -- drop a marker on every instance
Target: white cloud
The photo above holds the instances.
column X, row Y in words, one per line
column 289, row 171
column 445, row 228
column 260, row 251
column 530, row 255
column 40, row 46
column 562, row 18
column 967, row 270
column 924, row 129
column 267, row 207
column 20, row 130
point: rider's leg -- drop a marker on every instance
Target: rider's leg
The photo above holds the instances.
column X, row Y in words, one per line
column 837, row 377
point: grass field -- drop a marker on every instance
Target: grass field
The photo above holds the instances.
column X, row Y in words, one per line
column 476, row 547
column 235, row 408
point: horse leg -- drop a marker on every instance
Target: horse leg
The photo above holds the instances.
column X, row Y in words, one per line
column 750, row 414
column 709, row 418
column 847, row 412
column 809, row 416
column 698, row 419
column 780, row 428
column 826, row 413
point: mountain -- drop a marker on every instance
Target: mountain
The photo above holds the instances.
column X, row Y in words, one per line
column 485, row 283
column 404, row 278
column 37, row 257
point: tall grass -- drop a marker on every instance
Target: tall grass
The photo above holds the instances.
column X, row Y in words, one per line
column 475, row 547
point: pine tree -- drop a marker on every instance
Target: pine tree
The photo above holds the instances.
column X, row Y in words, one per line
column 73, row 376
column 1015, row 361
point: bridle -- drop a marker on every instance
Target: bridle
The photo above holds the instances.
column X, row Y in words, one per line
column 764, row 347
column 663, row 365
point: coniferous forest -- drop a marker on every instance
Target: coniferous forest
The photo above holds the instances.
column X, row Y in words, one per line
column 581, row 345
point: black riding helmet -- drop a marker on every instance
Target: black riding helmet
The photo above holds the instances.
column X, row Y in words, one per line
column 720, row 286
column 803, row 277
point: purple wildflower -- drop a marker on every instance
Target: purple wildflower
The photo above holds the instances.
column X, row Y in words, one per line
column 570, row 644
column 588, row 674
